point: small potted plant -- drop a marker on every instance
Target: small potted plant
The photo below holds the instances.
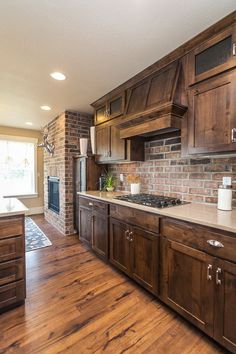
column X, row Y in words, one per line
column 134, row 181
column 110, row 180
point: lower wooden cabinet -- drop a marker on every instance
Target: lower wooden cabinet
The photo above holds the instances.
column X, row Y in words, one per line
column 93, row 225
column 135, row 252
column 202, row 288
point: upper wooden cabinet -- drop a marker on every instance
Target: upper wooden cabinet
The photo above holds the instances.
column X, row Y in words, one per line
column 212, row 115
column 214, row 56
column 111, row 108
column 111, row 148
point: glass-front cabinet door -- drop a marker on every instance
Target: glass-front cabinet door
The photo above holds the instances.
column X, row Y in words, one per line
column 115, row 106
column 214, row 56
column 100, row 115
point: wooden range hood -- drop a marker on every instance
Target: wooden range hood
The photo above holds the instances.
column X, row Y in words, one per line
column 155, row 105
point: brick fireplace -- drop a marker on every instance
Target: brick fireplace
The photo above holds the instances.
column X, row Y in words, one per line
column 64, row 131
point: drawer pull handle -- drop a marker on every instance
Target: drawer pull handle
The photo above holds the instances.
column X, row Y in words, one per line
column 209, row 268
column 234, row 49
column 130, row 236
column 218, row 280
column 127, row 234
column 215, row 243
column 233, row 135
column 91, row 204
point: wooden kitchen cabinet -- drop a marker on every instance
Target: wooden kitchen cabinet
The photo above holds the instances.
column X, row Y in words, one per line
column 111, row 148
column 186, row 285
column 212, row 115
column 214, row 56
column 111, row 108
column 93, row 225
column 135, row 251
column 225, row 304
column 85, row 225
column 120, row 246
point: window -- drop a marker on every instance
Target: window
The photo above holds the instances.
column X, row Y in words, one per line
column 17, row 166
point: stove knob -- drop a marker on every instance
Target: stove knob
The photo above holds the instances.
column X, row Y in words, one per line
column 178, row 201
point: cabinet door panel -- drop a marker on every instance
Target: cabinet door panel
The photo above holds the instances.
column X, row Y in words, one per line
column 212, row 115
column 100, row 234
column 116, row 106
column 137, row 97
column 100, row 115
column 185, row 285
column 119, row 246
column 145, row 258
column 118, row 145
column 85, row 225
column 225, row 306
column 102, row 143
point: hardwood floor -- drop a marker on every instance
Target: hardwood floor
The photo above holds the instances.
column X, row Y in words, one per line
column 78, row 304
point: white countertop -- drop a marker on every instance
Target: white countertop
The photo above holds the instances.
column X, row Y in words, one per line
column 11, row 206
column 202, row 214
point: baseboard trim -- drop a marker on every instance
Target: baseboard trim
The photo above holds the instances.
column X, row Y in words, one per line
column 36, row 210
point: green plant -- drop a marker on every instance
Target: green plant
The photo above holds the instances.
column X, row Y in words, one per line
column 110, row 180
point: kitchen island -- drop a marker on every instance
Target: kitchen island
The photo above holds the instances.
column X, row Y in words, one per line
column 12, row 253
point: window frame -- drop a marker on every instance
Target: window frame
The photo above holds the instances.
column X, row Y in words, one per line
column 25, row 139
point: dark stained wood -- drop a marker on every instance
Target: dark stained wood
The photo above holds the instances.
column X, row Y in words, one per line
column 222, row 61
column 111, row 148
column 147, row 221
column 225, row 306
column 100, row 114
column 100, row 233
column 11, row 271
column 111, row 108
column 212, row 115
column 11, row 294
column 11, row 226
column 78, row 304
column 184, row 284
column 85, row 224
column 145, row 258
column 11, row 248
column 196, row 236
column 176, row 54
column 119, row 254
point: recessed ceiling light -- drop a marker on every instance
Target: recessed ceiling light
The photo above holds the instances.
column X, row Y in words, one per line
column 28, row 123
column 46, row 108
column 58, row 76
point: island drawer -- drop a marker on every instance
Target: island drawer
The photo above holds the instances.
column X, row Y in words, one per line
column 11, row 271
column 11, row 248
column 203, row 238
column 11, row 226
column 12, row 293
column 147, row 221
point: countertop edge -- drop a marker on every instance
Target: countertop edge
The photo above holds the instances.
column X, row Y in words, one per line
column 162, row 212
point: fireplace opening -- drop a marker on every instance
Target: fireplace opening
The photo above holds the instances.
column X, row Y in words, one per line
column 53, row 194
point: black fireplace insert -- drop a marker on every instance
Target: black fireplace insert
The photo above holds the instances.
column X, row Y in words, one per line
column 53, row 194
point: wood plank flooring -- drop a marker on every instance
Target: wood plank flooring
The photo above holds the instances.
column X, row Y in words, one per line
column 78, row 304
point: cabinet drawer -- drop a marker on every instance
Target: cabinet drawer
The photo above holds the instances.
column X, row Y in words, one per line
column 148, row 221
column 11, row 271
column 10, row 227
column 94, row 204
column 12, row 293
column 197, row 237
column 11, row 248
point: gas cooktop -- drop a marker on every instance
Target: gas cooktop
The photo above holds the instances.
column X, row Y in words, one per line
column 151, row 200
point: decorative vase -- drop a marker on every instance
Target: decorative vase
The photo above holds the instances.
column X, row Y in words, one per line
column 93, row 140
column 110, row 189
column 83, row 146
column 135, row 188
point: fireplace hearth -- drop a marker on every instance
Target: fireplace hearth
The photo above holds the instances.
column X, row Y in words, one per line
column 53, row 194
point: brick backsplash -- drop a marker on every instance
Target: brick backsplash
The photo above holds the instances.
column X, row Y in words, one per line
column 165, row 172
column 64, row 131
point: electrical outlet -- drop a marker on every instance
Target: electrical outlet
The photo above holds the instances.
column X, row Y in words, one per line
column 227, row 181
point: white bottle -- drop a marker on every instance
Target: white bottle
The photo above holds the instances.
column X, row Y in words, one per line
column 225, row 197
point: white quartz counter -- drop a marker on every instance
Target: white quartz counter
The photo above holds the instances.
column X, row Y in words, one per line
column 11, row 206
column 202, row 214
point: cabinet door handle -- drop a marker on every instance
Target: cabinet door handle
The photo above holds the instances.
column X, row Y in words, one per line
column 209, row 268
column 218, row 280
column 234, row 49
column 130, row 236
column 90, row 203
column 233, row 135
column 127, row 234
column 215, row 243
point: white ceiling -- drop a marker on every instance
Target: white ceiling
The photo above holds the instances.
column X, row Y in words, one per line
column 98, row 44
